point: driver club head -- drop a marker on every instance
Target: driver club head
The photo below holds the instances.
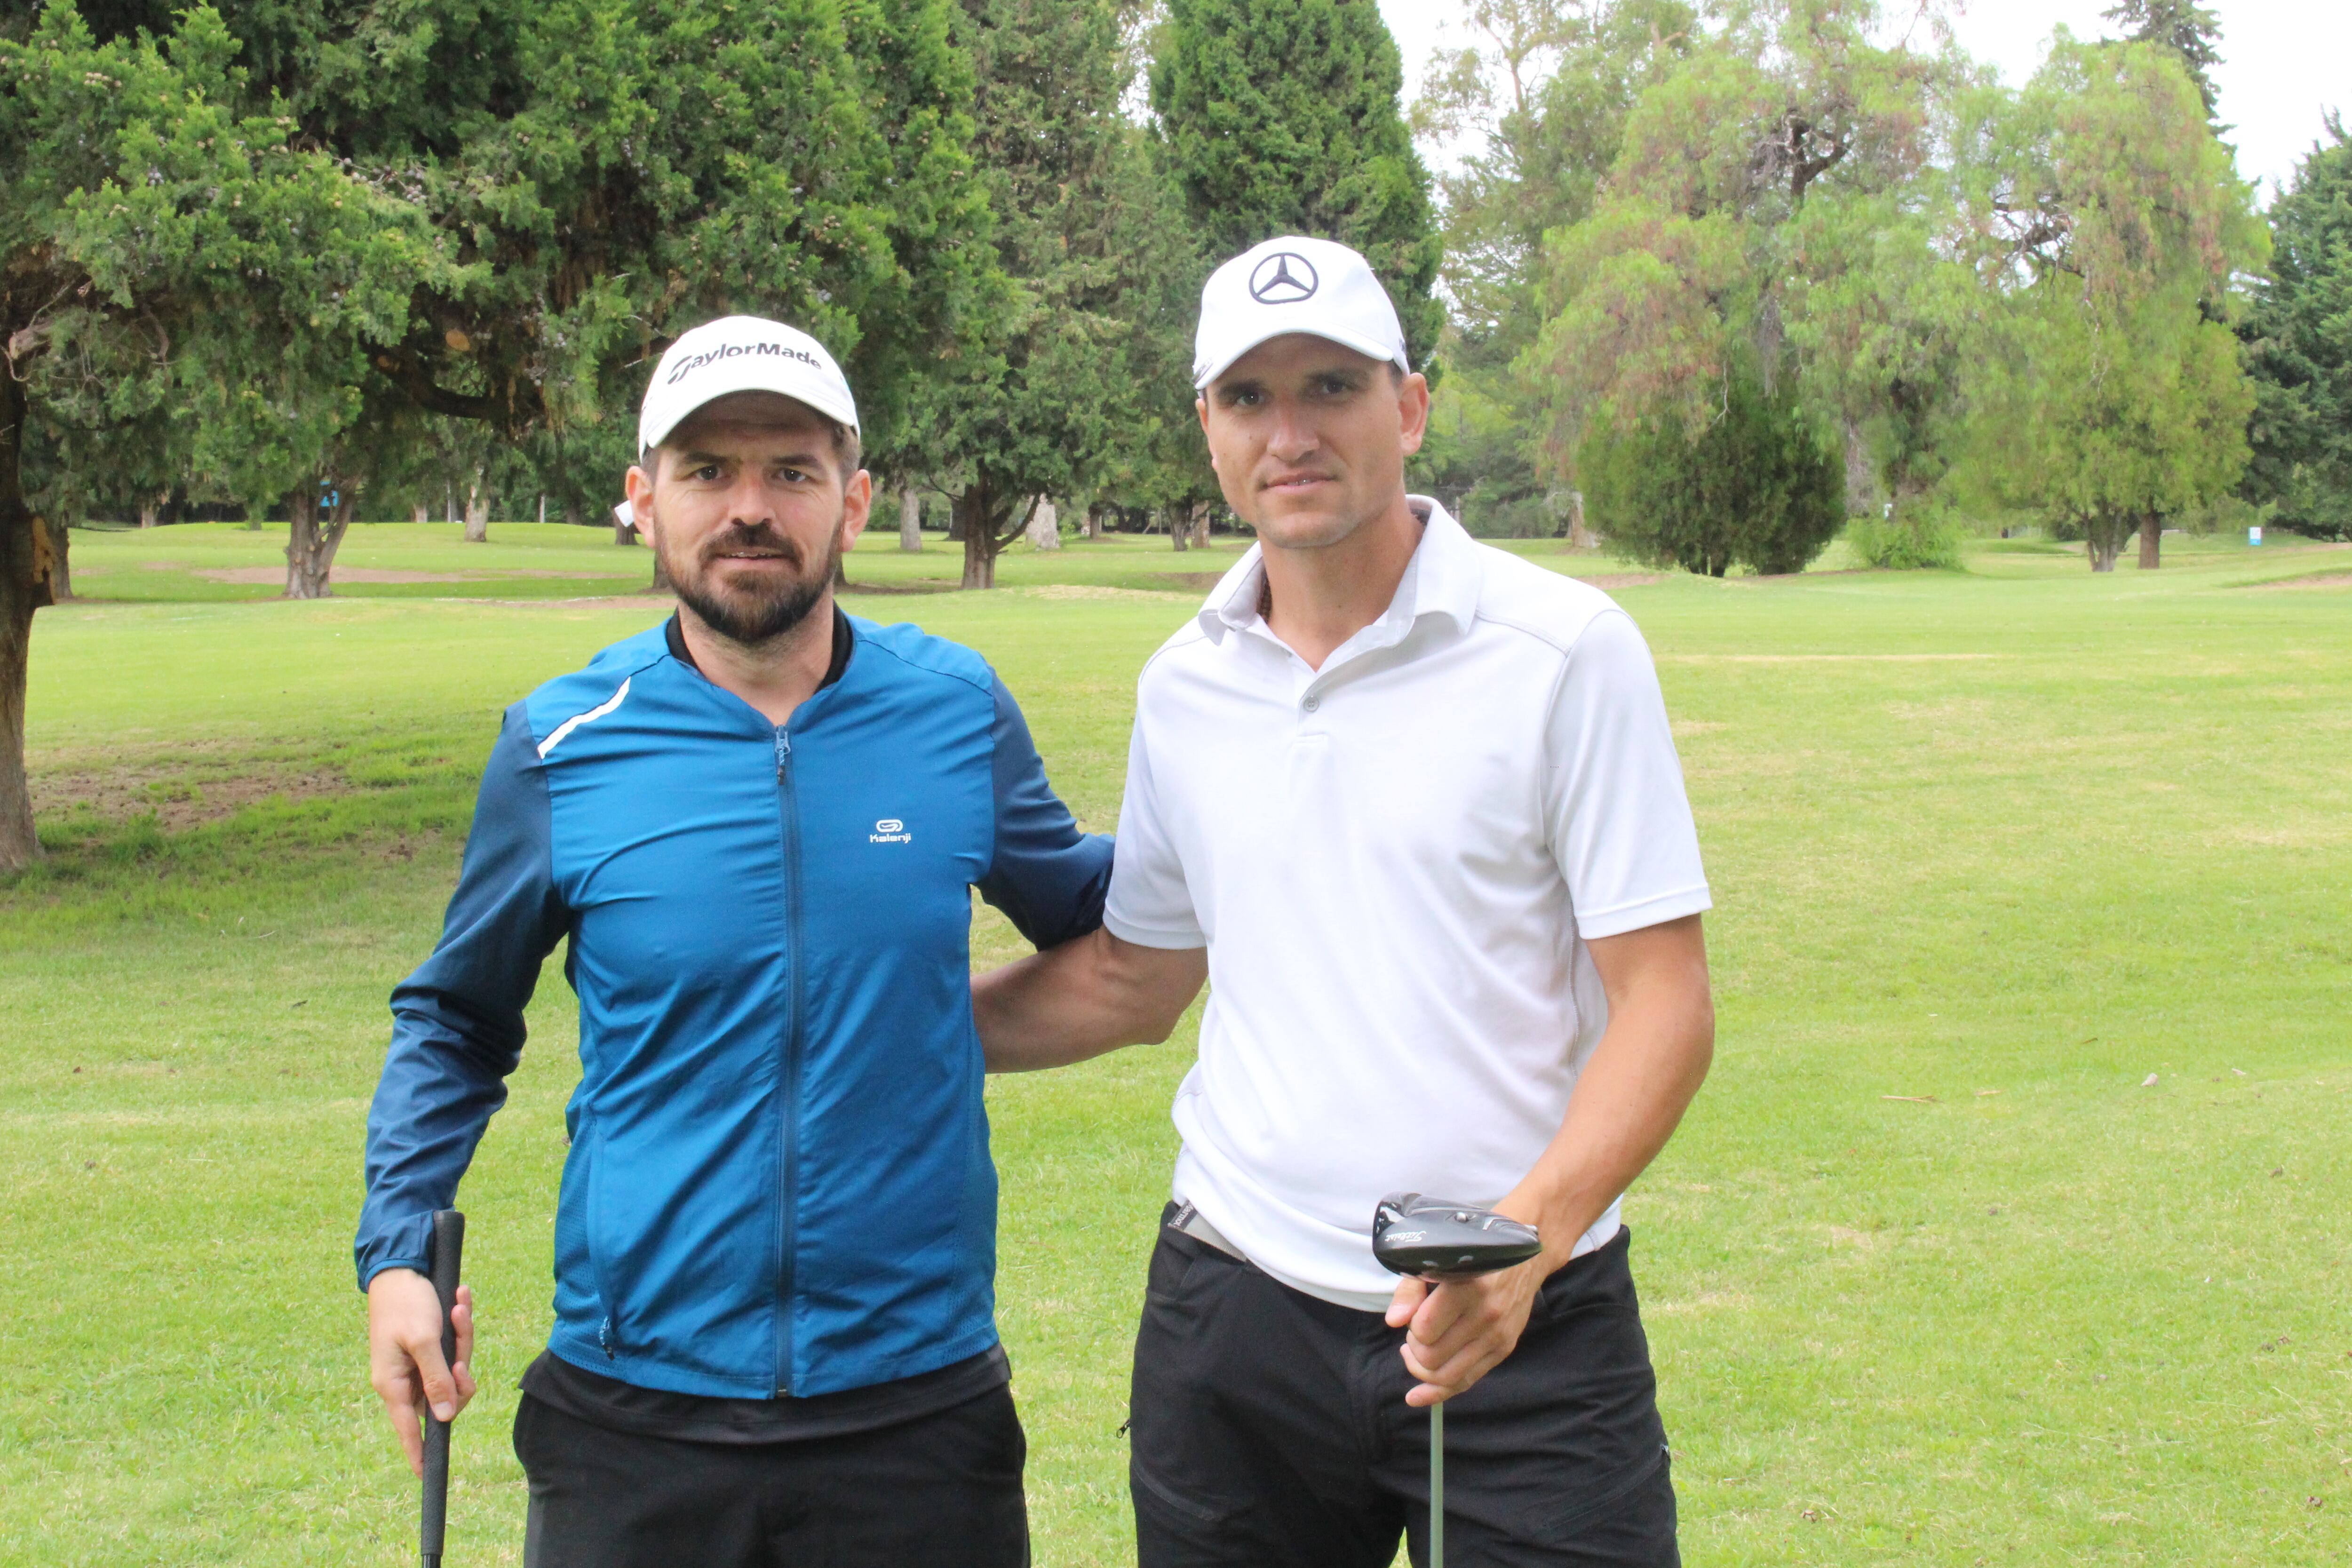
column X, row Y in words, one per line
column 1436, row 1239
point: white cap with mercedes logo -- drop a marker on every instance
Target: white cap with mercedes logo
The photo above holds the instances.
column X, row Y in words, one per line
column 742, row 353
column 1294, row 285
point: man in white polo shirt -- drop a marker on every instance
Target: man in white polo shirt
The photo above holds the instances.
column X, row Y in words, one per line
column 1412, row 806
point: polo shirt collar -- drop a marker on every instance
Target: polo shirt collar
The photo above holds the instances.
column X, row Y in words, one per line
column 1441, row 579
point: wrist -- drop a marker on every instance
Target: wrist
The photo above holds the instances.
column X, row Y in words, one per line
column 1560, row 1220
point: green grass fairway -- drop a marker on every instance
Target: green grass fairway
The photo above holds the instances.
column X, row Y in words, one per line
column 2015, row 1225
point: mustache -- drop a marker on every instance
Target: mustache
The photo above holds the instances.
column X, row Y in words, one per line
column 757, row 536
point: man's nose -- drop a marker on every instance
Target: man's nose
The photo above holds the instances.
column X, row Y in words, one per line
column 748, row 501
column 1293, row 436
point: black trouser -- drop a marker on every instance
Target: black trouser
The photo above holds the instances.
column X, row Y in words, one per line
column 1270, row 1429
column 942, row 1491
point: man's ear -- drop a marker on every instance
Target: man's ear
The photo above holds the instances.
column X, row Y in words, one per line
column 1413, row 411
column 857, row 506
column 639, row 484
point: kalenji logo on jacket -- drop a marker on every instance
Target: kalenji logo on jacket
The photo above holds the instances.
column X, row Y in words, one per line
column 890, row 830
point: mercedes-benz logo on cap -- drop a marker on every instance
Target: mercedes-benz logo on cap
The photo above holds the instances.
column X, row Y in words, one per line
column 1282, row 279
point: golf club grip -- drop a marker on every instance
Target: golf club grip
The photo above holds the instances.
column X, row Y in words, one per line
column 444, row 1266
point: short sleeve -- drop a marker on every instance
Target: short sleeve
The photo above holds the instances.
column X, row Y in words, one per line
column 1619, row 819
column 1150, row 904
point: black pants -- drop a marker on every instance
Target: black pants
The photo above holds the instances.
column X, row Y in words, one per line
column 1270, row 1429
column 942, row 1491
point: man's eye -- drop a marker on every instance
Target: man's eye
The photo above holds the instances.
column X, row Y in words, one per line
column 708, row 473
column 792, row 476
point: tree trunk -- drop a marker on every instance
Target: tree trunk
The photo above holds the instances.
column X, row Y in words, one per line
column 661, row 584
column 1044, row 530
column 2103, row 553
column 420, row 513
column 150, row 511
column 24, row 588
column 1180, row 531
column 57, row 564
column 910, row 519
column 1094, row 529
column 979, row 532
column 542, row 509
column 1579, row 532
column 1202, row 512
column 478, row 514
column 312, row 540
column 2151, row 542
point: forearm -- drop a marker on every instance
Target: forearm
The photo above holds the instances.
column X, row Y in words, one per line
column 1628, row 1101
column 1081, row 999
column 432, row 1104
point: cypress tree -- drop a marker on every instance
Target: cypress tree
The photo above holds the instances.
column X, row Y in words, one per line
column 1756, row 485
column 2298, row 339
column 1281, row 116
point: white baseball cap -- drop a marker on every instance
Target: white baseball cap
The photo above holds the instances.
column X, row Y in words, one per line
column 742, row 353
column 1294, row 285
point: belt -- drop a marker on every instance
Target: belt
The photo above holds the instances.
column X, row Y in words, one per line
column 1195, row 1224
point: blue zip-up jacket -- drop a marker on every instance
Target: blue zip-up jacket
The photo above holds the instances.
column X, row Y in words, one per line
column 779, row 1179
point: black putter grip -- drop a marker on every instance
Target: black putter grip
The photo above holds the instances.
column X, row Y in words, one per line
column 445, row 1265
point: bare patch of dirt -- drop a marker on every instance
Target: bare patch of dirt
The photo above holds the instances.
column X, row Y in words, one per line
column 1198, row 582
column 259, row 575
column 916, row 585
column 179, row 795
column 1097, row 590
column 2325, row 580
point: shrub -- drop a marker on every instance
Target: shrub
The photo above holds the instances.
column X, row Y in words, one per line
column 1925, row 538
column 1757, row 486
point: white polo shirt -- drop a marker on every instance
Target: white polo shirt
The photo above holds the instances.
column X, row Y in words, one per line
column 1394, row 863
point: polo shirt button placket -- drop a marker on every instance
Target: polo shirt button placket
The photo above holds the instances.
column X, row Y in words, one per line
column 1312, row 703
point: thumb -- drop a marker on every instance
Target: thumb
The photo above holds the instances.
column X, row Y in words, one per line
column 432, row 1371
column 1410, row 1294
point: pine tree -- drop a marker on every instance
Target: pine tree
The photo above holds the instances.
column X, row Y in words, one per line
column 2189, row 30
column 2298, row 341
column 1281, row 116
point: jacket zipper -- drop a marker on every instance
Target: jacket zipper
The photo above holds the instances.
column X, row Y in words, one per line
column 789, row 1103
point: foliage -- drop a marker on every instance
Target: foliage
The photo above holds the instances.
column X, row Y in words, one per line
column 2114, row 224
column 1084, row 246
column 1770, row 202
column 2190, row 31
column 1752, row 484
column 2298, row 336
column 1546, row 90
column 1280, row 117
column 1920, row 538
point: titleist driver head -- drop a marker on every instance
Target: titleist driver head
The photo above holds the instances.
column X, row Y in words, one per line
column 1432, row 1237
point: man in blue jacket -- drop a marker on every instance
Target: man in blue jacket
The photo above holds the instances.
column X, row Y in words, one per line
column 757, row 826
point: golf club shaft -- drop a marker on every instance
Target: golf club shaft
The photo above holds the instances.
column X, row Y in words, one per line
column 445, row 1264
column 1437, row 1485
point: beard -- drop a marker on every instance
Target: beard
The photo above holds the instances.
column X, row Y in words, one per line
column 752, row 616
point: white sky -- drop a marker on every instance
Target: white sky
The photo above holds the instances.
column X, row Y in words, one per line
column 2283, row 61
